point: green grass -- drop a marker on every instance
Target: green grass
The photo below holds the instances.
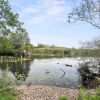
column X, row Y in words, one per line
column 87, row 95
column 63, row 98
column 7, row 95
column 7, row 92
column 84, row 94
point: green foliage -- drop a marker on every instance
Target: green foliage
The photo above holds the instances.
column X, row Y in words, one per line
column 69, row 52
column 86, row 95
column 5, row 45
column 8, row 20
column 63, row 98
column 12, row 35
column 7, row 92
column 28, row 47
column 19, row 78
column 5, row 81
column 7, row 95
column 20, row 38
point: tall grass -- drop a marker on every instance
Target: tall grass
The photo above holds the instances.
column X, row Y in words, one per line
column 7, row 92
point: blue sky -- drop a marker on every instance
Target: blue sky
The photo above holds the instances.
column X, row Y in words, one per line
column 45, row 21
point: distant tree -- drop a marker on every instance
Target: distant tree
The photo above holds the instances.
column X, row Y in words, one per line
column 88, row 11
column 43, row 45
column 28, row 47
column 20, row 38
column 93, row 44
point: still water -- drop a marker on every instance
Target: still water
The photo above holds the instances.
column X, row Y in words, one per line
column 53, row 71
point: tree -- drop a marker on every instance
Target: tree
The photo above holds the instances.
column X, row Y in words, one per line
column 88, row 11
column 5, row 45
column 8, row 20
column 20, row 38
column 11, row 29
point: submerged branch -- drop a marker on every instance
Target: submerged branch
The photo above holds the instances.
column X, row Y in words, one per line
column 63, row 73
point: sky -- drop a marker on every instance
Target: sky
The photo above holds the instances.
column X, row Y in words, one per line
column 46, row 22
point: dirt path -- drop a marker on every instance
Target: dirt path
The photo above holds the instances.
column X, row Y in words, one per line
column 41, row 92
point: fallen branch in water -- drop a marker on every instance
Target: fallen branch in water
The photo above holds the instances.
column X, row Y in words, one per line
column 47, row 72
column 63, row 73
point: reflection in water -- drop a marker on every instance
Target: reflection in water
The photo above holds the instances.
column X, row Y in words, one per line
column 49, row 72
column 21, row 67
column 46, row 71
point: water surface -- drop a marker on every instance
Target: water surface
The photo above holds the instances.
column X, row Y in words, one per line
column 51, row 71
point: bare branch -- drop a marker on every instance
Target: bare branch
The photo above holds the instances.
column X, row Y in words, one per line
column 88, row 11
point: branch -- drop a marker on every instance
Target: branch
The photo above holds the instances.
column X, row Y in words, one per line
column 86, row 21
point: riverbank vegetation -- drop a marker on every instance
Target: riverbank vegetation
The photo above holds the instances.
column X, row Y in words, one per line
column 66, row 52
column 7, row 91
column 85, row 95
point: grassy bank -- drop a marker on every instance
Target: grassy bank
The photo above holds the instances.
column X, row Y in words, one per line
column 7, row 91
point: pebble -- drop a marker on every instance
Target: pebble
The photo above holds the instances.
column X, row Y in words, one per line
column 42, row 92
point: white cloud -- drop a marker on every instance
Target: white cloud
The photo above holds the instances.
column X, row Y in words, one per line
column 36, row 20
column 55, row 10
column 46, row 10
column 31, row 9
column 48, row 3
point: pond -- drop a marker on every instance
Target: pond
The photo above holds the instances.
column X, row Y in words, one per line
column 61, row 72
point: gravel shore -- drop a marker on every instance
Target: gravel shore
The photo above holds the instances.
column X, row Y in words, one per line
column 42, row 92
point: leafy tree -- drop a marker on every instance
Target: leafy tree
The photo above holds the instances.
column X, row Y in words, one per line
column 88, row 11
column 5, row 45
column 20, row 38
column 8, row 20
column 28, row 47
column 12, row 34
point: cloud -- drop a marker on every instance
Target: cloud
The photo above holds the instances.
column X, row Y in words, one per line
column 48, row 3
column 46, row 10
column 31, row 9
column 55, row 10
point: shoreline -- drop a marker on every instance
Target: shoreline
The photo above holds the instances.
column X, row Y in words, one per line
column 19, row 60
column 43, row 92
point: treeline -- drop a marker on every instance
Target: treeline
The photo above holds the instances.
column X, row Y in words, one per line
column 13, row 37
column 63, row 52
